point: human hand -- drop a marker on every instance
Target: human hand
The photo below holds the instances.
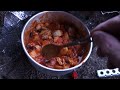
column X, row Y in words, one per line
column 106, row 36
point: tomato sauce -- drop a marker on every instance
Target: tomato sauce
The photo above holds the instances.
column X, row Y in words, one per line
column 42, row 33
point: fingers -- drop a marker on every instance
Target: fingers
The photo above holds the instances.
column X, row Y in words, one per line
column 106, row 36
column 106, row 43
column 111, row 26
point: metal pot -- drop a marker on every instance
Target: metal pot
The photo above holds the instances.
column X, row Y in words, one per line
column 56, row 16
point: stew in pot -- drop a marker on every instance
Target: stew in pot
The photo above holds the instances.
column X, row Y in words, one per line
column 40, row 34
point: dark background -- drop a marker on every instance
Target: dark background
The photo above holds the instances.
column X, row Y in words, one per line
column 13, row 61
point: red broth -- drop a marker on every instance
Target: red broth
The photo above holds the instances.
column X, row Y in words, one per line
column 40, row 34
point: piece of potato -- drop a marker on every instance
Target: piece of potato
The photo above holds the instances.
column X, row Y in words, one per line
column 45, row 34
column 64, row 51
column 57, row 33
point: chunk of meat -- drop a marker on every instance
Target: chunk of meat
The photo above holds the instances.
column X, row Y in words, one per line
column 69, row 51
column 53, row 62
column 58, row 67
column 34, row 23
column 39, row 59
column 66, row 66
column 33, row 53
column 45, row 42
column 59, row 60
column 36, row 38
column 66, row 36
column 38, row 27
column 58, row 40
column 49, row 65
column 30, row 46
column 73, row 61
column 38, row 48
column 64, row 62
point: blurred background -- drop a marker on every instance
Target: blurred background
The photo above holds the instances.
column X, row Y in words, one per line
column 13, row 61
